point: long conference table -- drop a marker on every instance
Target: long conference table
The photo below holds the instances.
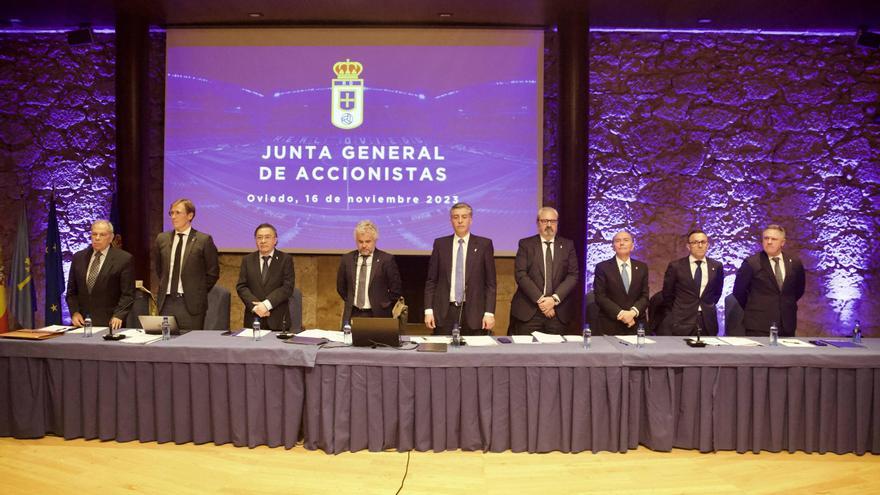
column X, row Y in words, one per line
column 202, row 387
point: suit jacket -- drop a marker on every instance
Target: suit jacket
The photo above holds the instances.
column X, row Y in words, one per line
column 277, row 289
column 199, row 270
column 683, row 302
column 762, row 300
column 612, row 298
column 479, row 280
column 529, row 273
column 113, row 292
column 384, row 284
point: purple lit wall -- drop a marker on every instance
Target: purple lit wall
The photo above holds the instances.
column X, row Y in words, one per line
column 731, row 132
column 57, row 129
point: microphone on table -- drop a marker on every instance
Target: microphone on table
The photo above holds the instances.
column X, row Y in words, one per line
column 285, row 330
column 110, row 335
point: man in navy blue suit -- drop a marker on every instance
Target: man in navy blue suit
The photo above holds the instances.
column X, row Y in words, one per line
column 461, row 279
column 691, row 287
column 621, row 289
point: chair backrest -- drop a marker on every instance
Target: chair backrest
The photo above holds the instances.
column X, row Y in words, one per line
column 296, row 310
column 656, row 315
column 217, row 317
column 592, row 310
column 733, row 317
column 140, row 307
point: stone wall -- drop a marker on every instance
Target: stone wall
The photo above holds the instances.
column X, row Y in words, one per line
column 731, row 132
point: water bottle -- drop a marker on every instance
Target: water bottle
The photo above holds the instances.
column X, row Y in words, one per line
column 346, row 333
column 774, row 334
column 256, row 329
column 87, row 327
column 857, row 333
column 587, row 335
column 640, row 336
column 166, row 329
column 456, row 335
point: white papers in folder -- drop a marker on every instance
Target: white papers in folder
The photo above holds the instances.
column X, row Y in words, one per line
column 548, row 338
column 632, row 339
column 54, row 329
column 740, row 341
column 795, row 343
column 430, row 339
column 331, row 335
column 94, row 330
column 249, row 332
column 480, row 340
column 135, row 336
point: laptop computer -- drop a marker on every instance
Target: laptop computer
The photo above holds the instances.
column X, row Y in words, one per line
column 153, row 324
column 373, row 332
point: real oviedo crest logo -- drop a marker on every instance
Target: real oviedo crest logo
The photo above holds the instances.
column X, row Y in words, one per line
column 347, row 105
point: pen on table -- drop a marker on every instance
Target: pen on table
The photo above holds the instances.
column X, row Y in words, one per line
column 623, row 342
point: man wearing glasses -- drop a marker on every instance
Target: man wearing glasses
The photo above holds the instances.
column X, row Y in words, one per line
column 265, row 281
column 691, row 287
column 101, row 284
column 546, row 271
column 187, row 267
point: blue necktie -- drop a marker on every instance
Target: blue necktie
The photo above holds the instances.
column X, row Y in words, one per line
column 698, row 276
column 459, row 272
column 625, row 276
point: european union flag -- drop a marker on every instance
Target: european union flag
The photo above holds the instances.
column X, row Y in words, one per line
column 21, row 287
column 54, row 272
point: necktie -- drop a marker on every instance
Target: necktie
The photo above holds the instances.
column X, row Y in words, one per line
column 459, row 272
column 698, row 276
column 361, row 299
column 548, row 268
column 624, row 274
column 175, row 270
column 778, row 272
column 93, row 271
column 265, row 272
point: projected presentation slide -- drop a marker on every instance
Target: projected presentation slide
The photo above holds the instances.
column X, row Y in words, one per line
column 314, row 130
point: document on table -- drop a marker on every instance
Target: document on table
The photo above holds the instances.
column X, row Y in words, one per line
column 480, row 340
column 631, row 339
column 713, row 341
column 523, row 339
column 743, row 341
column 548, row 338
column 135, row 336
column 331, row 335
column 795, row 343
column 249, row 332
column 94, row 330
column 574, row 338
column 430, row 339
column 55, row 329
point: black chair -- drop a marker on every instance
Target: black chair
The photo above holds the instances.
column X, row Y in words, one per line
column 656, row 315
column 296, row 314
column 218, row 309
column 733, row 317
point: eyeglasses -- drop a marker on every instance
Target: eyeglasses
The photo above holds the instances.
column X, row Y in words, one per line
column 545, row 222
column 699, row 243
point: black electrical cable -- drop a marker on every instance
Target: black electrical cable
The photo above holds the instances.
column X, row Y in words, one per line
column 405, row 471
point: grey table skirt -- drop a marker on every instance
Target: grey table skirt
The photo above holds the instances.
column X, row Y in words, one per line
column 203, row 388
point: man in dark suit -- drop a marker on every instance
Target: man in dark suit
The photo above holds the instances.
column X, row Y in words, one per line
column 768, row 286
column 187, row 267
column 540, row 302
column 620, row 286
column 691, row 287
column 461, row 279
column 265, row 282
column 100, row 283
column 367, row 280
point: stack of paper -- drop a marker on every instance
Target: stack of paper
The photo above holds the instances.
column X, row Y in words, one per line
column 331, row 335
column 548, row 338
column 523, row 339
column 135, row 336
column 95, row 330
column 249, row 332
column 740, row 341
column 794, row 343
column 479, row 340
column 574, row 338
